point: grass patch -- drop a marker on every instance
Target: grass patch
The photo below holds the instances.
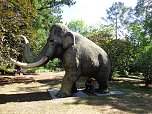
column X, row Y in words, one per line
column 42, row 69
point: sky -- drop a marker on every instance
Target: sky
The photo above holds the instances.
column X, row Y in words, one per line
column 90, row 11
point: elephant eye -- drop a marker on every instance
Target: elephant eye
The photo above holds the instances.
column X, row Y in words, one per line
column 50, row 40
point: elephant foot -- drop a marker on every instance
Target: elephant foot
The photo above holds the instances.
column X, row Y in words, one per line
column 62, row 94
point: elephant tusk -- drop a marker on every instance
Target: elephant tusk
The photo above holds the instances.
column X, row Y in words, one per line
column 30, row 65
column 29, row 58
column 25, row 39
column 27, row 53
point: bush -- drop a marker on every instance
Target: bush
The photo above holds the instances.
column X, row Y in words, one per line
column 54, row 65
column 120, row 53
column 4, row 70
column 145, row 65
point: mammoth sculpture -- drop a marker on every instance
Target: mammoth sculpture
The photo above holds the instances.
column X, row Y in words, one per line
column 80, row 57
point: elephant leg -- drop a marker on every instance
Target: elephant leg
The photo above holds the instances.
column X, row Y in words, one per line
column 102, row 79
column 74, row 88
column 68, row 84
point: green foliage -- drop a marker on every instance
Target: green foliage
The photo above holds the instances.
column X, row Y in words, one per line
column 98, row 35
column 15, row 19
column 139, row 27
column 143, row 12
column 115, row 9
column 117, row 15
column 37, row 70
column 16, row 16
column 79, row 26
column 4, row 70
column 141, row 36
column 54, row 65
column 137, row 22
column 145, row 65
column 120, row 51
column 48, row 13
column 30, row 18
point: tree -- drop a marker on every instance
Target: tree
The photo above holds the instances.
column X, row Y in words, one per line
column 145, row 65
column 120, row 58
column 79, row 26
column 15, row 19
column 143, row 12
column 139, row 29
column 16, row 16
column 115, row 16
column 30, row 18
column 143, row 33
column 138, row 24
column 48, row 13
column 102, row 32
column 140, row 32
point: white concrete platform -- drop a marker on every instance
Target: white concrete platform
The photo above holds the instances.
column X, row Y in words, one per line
column 53, row 92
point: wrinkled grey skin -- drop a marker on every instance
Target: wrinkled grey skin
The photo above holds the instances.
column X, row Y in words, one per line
column 80, row 57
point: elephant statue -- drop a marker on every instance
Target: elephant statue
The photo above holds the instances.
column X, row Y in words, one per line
column 79, row 55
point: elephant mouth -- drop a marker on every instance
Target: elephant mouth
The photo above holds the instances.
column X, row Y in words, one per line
column 31, row 65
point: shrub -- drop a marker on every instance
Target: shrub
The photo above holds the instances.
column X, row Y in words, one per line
column 54, row 65
column 145, row 65
column 120, row 53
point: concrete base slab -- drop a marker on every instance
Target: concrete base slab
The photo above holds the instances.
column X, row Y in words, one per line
column 53, row 92
column 80, row 93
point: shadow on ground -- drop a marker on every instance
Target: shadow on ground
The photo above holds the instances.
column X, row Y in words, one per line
column 122, row 102
column 136, row 100
column 10, row 80
column 27, row 88
column 5, row 80
column 30, row 92
column 25, row 97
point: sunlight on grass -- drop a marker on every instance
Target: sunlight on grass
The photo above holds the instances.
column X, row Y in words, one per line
column 32, row 97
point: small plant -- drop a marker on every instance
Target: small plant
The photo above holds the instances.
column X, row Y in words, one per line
column 4, row 70
column 54, row 65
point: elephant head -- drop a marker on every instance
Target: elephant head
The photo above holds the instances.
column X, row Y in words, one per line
column 59, row 40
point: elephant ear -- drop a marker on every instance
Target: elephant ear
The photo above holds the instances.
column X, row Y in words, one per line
column 68, row 40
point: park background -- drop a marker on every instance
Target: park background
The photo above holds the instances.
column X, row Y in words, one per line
column 122, row 28
column 124, row 32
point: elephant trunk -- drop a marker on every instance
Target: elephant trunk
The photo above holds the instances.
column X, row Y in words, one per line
column 39, row 60
column 27, row 52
